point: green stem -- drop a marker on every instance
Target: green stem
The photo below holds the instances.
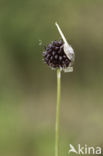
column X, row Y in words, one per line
column 58, row 111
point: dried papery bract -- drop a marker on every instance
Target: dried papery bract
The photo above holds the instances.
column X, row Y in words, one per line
column 67, row 49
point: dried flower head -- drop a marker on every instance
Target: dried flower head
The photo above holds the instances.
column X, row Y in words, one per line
column 59, row 54
column 54, row 55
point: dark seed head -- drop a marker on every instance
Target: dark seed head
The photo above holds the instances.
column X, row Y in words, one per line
column 54, row 55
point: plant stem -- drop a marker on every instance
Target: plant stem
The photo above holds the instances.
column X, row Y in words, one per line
column 58, row 111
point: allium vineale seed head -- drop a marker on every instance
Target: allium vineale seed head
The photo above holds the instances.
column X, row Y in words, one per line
column 59, row 54
column 54, row 55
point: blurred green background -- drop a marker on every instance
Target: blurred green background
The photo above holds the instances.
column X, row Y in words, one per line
column 28, row 86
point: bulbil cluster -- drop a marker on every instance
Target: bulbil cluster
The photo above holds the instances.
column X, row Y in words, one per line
column 55, row 56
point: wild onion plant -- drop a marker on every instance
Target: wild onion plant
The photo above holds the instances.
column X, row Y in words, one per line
column 59, row 55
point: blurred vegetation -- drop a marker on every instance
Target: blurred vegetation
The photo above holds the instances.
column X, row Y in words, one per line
column 28, row 86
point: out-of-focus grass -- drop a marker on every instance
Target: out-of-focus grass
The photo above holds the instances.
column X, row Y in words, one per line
column 27, row 126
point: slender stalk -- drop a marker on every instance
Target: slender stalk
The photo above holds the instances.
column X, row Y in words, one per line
column 58, row 111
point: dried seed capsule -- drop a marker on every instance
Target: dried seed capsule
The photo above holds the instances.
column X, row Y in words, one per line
column 64, row 56
column 49, row 46
column 49, row 50
column 53, row 47
column 48, row 56
column 60, row 58
column 51, row 58
column 57, row 48
column 56, row 56
column 53, row 53
column 55, row 43
column 60, row 42
column 60, row 51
